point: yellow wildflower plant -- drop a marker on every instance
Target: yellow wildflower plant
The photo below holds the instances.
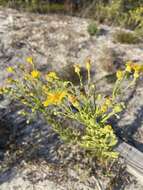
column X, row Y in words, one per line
column 59, row 100
column 35, row 74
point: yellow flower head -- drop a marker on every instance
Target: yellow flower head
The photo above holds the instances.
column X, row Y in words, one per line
column 77, row 69
column 29, row 60
column 35, row 74
column 54, row 98
column 10, row 69
column 120, row 74
column 51, row 75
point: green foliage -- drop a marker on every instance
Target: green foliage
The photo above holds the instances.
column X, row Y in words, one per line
column 92, row 29
column 126, row 37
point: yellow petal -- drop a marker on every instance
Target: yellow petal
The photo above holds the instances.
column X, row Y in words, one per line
column 10, row 69
column 35, row 74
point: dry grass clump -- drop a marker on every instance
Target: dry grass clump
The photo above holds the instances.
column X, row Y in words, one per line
column 126, row 37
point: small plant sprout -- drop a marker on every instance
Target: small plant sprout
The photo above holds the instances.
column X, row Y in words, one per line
column 92, row 29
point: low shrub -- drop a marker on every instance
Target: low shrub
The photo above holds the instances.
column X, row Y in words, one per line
column 59, row 100
column 92, row 29
column 126, row 37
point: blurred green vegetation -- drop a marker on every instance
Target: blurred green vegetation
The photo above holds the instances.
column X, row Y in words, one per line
column 125, row 13
column 39, row 6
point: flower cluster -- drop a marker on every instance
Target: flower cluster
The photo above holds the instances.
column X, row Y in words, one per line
column 134, row 67
column 131, row 67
